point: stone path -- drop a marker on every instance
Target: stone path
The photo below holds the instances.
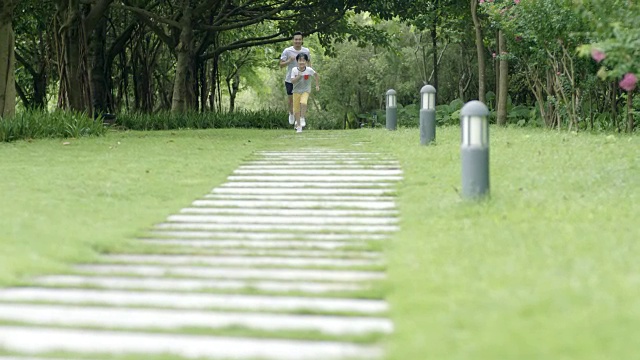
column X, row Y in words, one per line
column 281, row 262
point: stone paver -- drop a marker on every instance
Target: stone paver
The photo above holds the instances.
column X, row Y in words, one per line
column 138, row 318
column 233, row 272
column 197, row 300
column 283, row 247
column 276, row 244
column 264, row 219
column 277, row 227
column 290, row 212
column 191, row 284
column 244, row 261
column 39, row 340
column 247, row 235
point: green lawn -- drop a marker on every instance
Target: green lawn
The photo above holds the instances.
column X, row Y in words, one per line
column 546, row 269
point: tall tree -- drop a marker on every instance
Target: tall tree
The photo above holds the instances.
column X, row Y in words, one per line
column 7, row 59
column 74, row 26
column 480, row 53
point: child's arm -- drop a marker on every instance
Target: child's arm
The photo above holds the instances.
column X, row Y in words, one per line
column 317, row 77
column 295, row 76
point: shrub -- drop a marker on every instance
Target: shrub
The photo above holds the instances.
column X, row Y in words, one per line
column 35, row 124
column 263, row 119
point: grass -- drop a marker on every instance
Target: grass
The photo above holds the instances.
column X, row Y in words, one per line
column 66, row 203
column 545, row 269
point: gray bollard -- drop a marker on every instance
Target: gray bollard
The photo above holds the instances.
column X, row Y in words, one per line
column 474, row 150
column 427, row 114
column 392, row 110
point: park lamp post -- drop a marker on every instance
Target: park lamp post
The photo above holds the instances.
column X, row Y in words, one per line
column 392, row 110
column 475, row 150
column 427, row 114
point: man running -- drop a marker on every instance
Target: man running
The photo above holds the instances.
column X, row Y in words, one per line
column 288, row 59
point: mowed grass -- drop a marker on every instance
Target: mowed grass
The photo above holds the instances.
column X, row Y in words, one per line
column 67, row 203
column 545, row 269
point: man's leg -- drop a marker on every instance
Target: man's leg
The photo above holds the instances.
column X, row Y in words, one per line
column 289, row 87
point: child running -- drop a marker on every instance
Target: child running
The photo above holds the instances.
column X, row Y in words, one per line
column 300, row 78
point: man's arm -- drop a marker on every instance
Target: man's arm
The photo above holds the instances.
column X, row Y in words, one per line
column 287, row 59
column 284, row 63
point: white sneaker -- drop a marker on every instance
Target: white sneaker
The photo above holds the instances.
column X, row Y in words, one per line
column 299, row 130
column 292, row 119
column 303, row 122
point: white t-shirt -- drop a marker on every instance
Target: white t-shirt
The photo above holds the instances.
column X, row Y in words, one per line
column 303, row 85
column 289, row 52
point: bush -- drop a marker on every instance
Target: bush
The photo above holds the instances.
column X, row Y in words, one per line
column 263, row 119
column 35, row 124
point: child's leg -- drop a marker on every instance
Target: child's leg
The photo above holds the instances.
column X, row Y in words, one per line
column 296, row 108
column 304, row 98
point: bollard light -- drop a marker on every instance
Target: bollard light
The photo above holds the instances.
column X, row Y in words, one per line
column 428, row 96
column 474, row 149
column 392, row 110
column 427, row 114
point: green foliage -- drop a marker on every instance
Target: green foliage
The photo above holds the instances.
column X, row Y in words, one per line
column 263, row 119
column 37, row 124
column 615, row 33
column 409, row 116
column 449, row 114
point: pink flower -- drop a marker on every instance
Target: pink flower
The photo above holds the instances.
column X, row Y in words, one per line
column 481, row 1
column 516, row 2
column 494, row 55
column 598, row 55
column 628, row 82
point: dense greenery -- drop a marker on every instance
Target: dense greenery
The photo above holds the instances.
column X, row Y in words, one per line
column 35, row 124
column 569, row 64
column 208, row 120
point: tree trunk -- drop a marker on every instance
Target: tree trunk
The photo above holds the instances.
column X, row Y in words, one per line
column 212, row 91
column 614, row 105
column 234, row 84
column 184, row 50
column 7, row 61
column 503, row 87
column 203, row 86
column 630, row 124
column 496, row 69
column 74, row 88
column 480, row 52
column 97, row 68
column 39, row 75
column 434, row 35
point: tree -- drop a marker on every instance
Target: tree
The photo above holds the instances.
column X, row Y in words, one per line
column 33, row 50
column 74, row 28
column 7, row 59
column 480, row 52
